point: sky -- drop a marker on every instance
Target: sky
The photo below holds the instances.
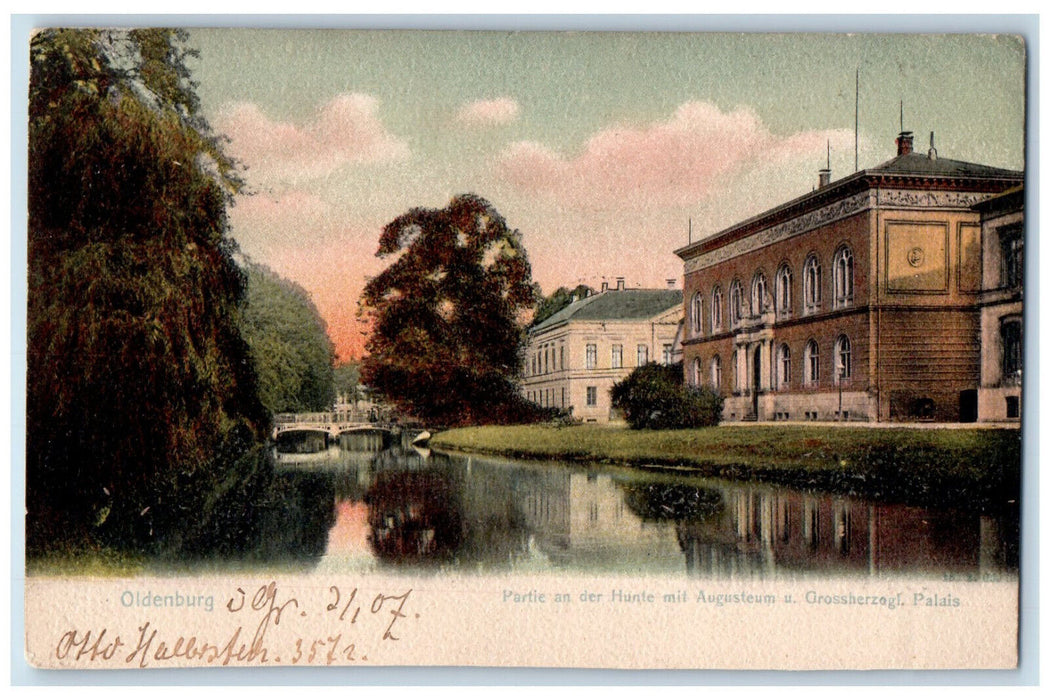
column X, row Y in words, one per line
column 604, row 149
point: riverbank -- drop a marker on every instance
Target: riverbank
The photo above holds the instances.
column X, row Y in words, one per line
column 967, row 466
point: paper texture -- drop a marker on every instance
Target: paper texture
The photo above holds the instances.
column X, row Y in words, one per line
column 254, row 299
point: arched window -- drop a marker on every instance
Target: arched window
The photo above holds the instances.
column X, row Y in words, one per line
column 782, row 292
column 716, row 310
column 758, row 294
column 698, row 372
column 696, row 316
column 812, row 361
column 716, row 373
column 783, row 366
column 843, row 277
column 811, row 284
column 843, row 360
column 736, row 303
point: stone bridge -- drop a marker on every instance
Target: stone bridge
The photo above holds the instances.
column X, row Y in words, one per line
column 333, row 423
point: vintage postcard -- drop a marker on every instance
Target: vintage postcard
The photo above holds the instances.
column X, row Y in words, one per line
column 524, row 349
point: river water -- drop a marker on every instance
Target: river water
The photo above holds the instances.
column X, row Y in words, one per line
column 364, row 505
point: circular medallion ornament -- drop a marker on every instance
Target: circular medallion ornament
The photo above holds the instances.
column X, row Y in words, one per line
column 915, row 256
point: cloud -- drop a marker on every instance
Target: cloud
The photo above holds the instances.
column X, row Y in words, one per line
column 677, row 162
column 344, row 131
column 488, row 112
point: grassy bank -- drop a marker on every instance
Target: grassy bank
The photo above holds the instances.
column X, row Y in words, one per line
column 956, row 466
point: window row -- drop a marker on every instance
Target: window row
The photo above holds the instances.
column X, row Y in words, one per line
column 547, row 358
column 842, row 357
column 556, row 398
column 548, row 398
column 780, row 301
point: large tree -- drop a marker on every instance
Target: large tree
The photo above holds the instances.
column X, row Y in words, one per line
column 289, row 342
column 447, row 337
column 139, row 382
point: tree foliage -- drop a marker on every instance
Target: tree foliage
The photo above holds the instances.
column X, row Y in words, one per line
column 137, row 373
column 446, row 343
column 562, row 297
column 654, row 396
column 289, row 342
column 347, row 379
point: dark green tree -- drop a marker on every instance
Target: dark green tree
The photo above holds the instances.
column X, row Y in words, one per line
column 289, row 342
column 562, row 297
column 140, row 388
column 447, row 336
column 655, row 396
column 347, row 379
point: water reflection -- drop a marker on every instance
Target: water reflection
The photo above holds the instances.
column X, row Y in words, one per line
column 277, row 518
column 394, row 507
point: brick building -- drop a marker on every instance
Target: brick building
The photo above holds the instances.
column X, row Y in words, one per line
column 857, row 301
column 574, row 357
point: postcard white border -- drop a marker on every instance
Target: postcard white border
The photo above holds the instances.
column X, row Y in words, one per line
column 1027, row 672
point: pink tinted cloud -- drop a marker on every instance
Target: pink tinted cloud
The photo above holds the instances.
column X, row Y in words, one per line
column 346, row 130
column 676, row 162
column 488, row 112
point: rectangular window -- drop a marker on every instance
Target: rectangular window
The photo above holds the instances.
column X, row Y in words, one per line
column 667, row 353
column 592, row 396
column 617, row 356
column 643, row 355
column 1012, row 248
column 1010, row 332
column 592, row 356
column 561, row 362
column 1013, row 406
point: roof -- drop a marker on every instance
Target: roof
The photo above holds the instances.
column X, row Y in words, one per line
column 910, row 165
column 1011, row 198
column 921, row 164
column 616, row 305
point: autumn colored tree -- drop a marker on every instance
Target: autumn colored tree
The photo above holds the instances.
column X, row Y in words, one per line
column 141, row 392
column 447, row 338
column 289, row 342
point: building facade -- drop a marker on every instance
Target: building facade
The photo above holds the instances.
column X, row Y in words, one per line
column 574, row 357
column 1002, row 337
column 857, row 301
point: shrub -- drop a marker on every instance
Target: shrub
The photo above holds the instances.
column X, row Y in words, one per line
column 655, row 397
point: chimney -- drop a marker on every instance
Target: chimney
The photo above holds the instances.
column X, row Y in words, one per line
column 824, row 174
column 932, row 153
column 605, row 286
column 671, row 282
column 619, row 284
column 904, row 140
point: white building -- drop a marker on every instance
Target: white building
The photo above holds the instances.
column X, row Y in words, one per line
column 575, row 356
column 1002, row 296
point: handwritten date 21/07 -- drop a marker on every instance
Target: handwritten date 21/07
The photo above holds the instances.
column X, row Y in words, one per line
column 392, row 603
